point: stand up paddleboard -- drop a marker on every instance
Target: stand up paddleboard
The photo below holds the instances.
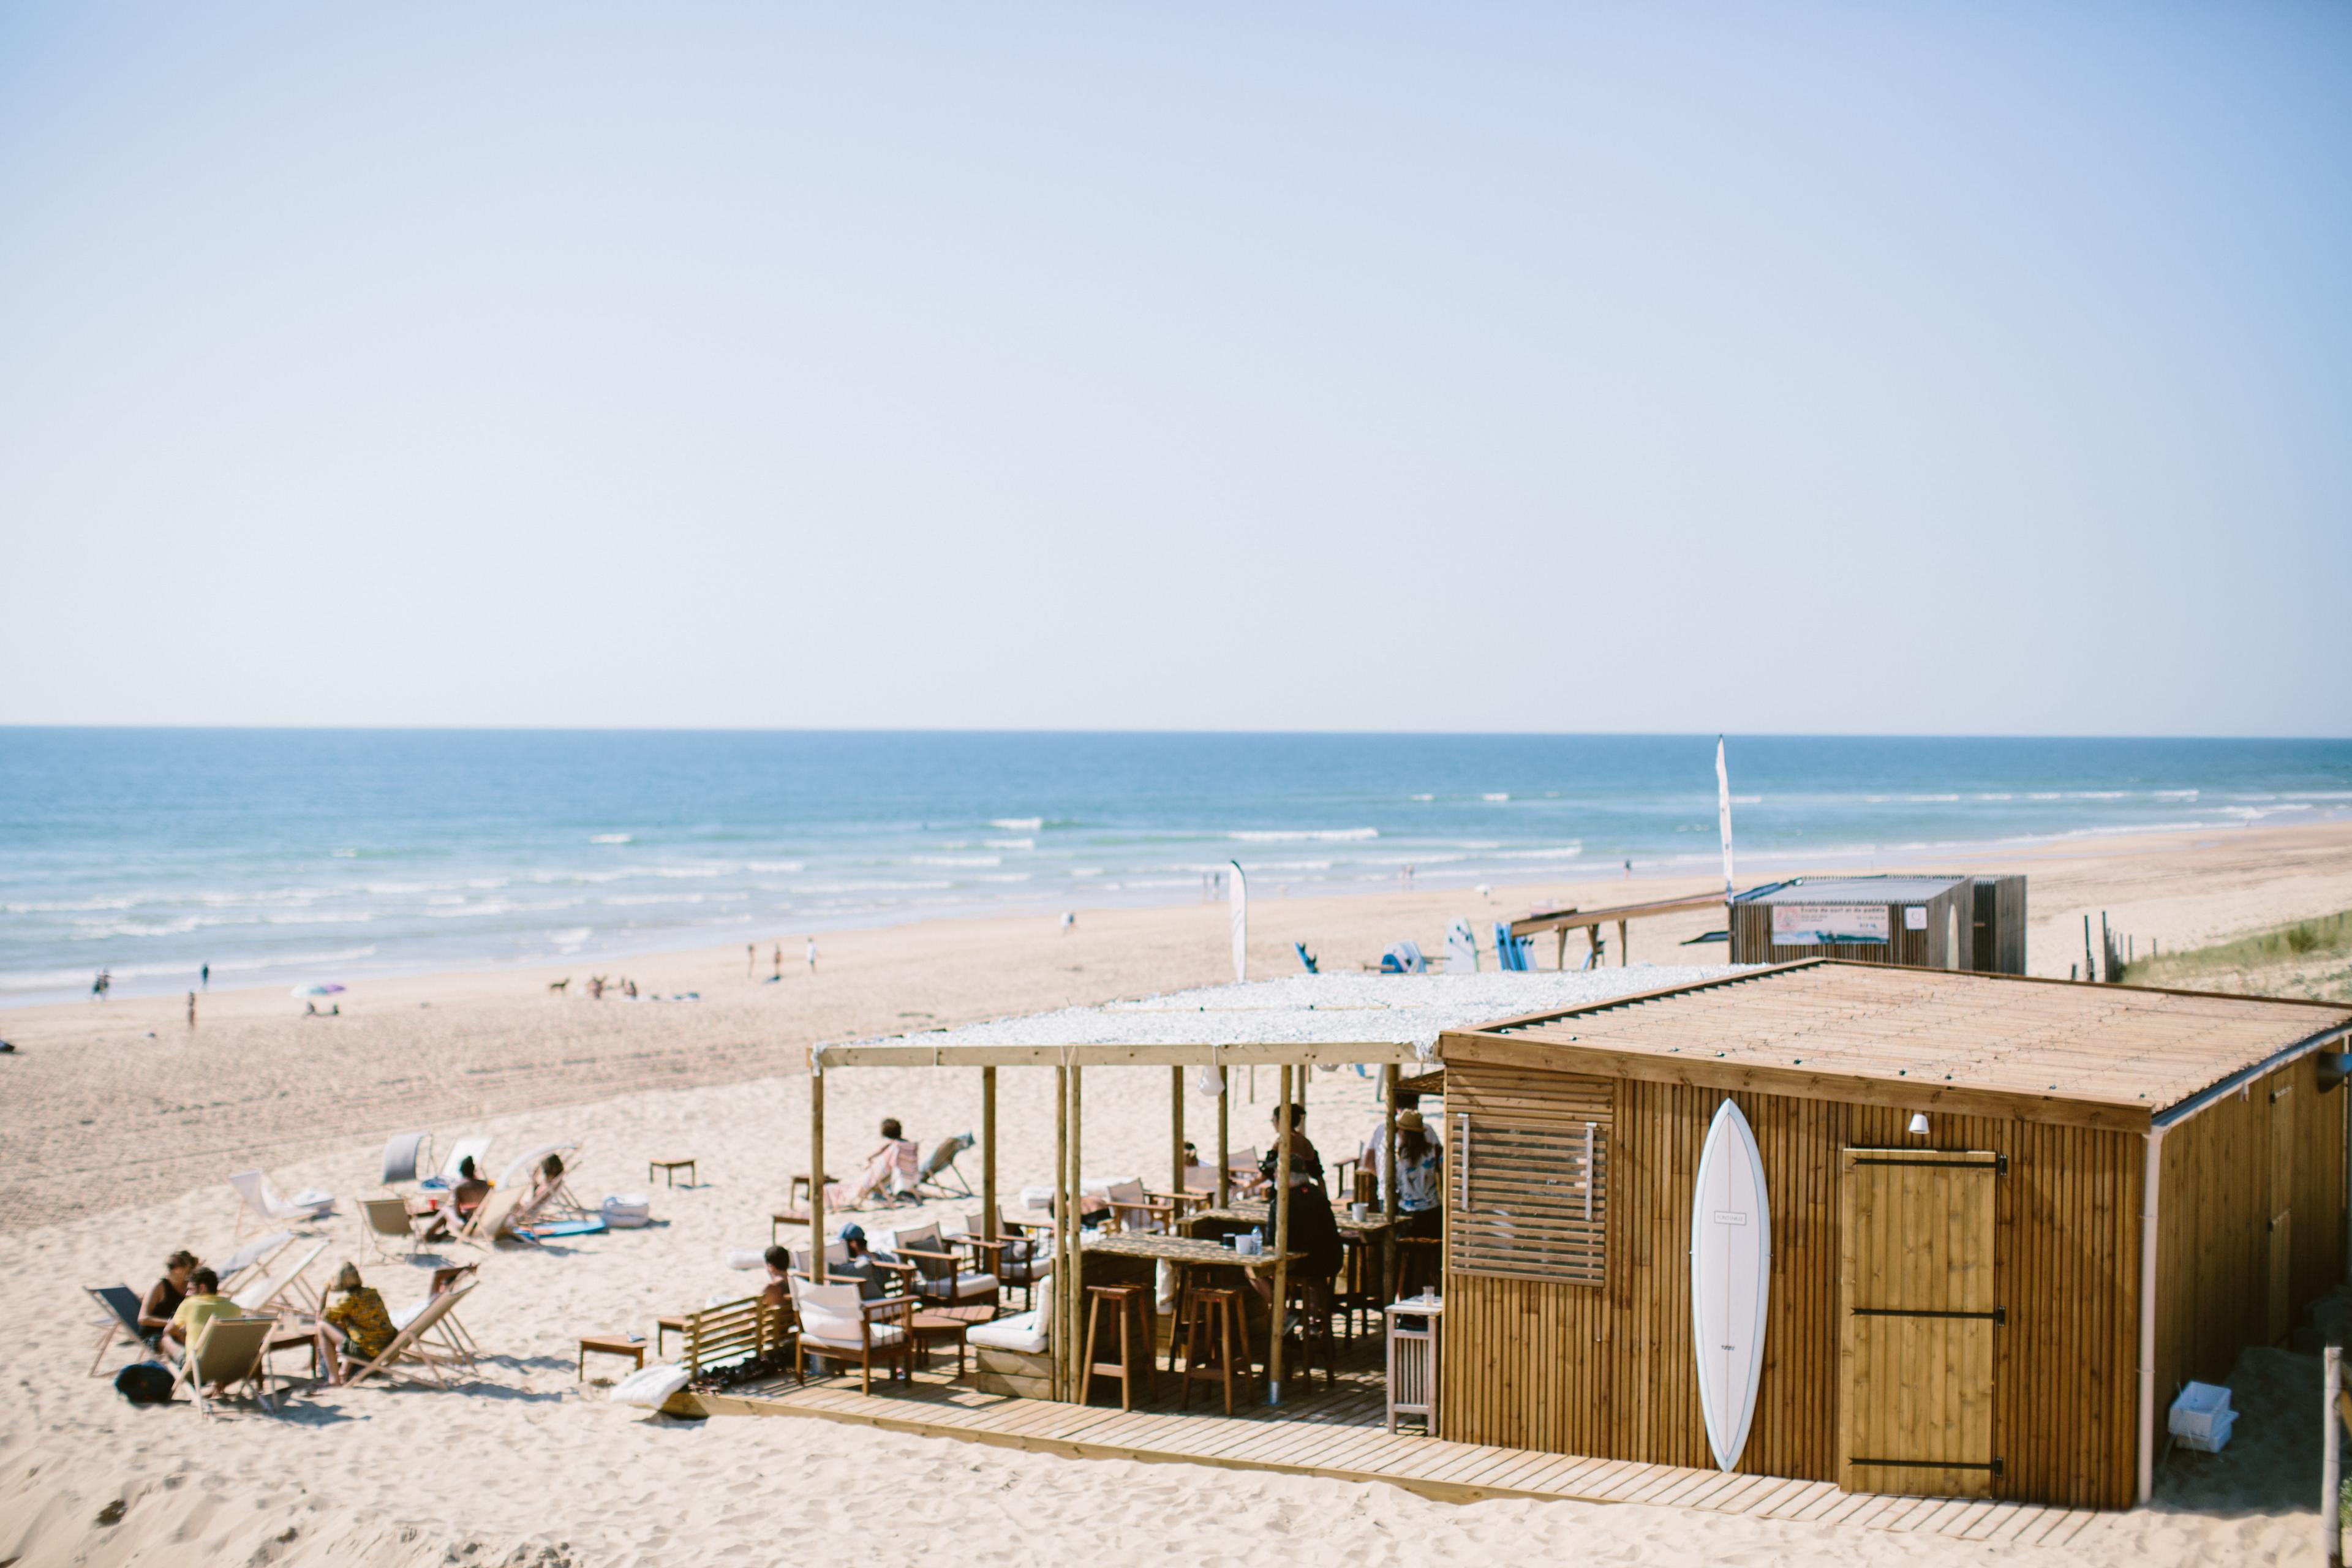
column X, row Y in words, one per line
column 1731, row 1272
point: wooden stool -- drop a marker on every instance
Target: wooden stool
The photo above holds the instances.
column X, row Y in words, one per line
column 1315, row 1329
column 1214, row 1323
column 670, row 1168
column 1129, row 1304
column 630, row 1345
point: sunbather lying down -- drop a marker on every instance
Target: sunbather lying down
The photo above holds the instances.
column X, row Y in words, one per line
column 891, row 1165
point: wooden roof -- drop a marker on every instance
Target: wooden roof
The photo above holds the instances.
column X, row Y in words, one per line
column 2106, row 1056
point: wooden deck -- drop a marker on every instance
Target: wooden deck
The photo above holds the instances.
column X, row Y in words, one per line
column 1338, row 1431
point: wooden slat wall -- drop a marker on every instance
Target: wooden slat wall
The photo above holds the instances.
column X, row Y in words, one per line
column 1527, row 1175
column 1950, row 915
column 1610, row 1371
column 2212, row 1216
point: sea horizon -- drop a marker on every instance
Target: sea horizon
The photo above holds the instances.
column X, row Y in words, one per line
column 295, row 855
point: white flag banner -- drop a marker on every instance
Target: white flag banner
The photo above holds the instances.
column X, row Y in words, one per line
column 1723, row 811
column 1239, row 894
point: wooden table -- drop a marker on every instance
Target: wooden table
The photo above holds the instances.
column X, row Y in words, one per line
column 670, row 1168
column 929, row 1328
column 630, row 1345
column 1373, row 1233
column 663, row 1327
column 293, row 1334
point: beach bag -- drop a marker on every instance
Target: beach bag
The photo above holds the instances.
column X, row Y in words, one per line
column 627, row 1211
column 144, row 1383
column 650, row 1389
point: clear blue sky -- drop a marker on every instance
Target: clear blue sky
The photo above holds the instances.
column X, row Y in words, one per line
column 1860, row 368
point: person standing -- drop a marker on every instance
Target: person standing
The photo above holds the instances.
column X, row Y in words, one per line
column 205, row 976
column 811, row 955
column 776, row 960
column 191, row 1009
column 751, row 959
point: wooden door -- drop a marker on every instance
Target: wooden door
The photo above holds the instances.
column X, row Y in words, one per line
column 1916, row 1321
column 2282, row 1207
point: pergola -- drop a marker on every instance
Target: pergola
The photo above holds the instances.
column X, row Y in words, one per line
column 1291, row 1024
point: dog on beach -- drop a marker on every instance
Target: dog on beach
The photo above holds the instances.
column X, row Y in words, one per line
column 558, row 986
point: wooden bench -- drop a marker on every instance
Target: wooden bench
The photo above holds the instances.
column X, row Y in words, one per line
column 732, row 1331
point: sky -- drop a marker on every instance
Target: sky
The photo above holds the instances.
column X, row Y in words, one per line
column 1939, row 368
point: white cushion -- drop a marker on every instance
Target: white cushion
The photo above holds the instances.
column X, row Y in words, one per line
column 974, row 1285
column 1023, row 1333
column 886, row 1335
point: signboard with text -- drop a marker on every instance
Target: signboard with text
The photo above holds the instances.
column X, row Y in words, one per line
column 1815, row 925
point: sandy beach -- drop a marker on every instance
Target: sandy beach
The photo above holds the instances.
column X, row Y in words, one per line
column 121, row 1123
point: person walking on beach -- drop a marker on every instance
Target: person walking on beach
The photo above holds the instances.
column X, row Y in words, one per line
column 191, row 1009
column 811, row 955
column 751, row 959
column 205, row 976
column 777, row 959
column 102, row 984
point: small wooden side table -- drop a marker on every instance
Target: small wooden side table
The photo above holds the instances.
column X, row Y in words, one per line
column 670, row 1168
column 665, row 1326
column 1413, row 1359
column 933, row 1326
column 630, row 1345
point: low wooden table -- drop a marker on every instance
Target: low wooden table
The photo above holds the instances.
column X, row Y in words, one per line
column 931, row 1327
column 630, row 1345
column 670, row 1168
column 665, row 1326
column 297, row 1334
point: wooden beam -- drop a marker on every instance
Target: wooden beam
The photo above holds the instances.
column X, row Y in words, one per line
column 1624, row 947
column 816, row 1170
column 988, row 1155
column 1063, row 1328
column 1176, row 1129
column 1282, row 1244
column 1569, row 919
column 1225, row 1137
column 1797, row 1083
column 1390, row 1077
column 1195, row 1055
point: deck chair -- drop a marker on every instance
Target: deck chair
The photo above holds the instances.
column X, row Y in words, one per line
column 1403, row 958
column 230, row 1353
column 839, row 1325
column 1018, row 1261
column 1133, row 1210
column 939, row 1171
column 258, row 1197
column 491, row 1215
column 558, row 1204
column 451, row 1334
column 463, row 1150
column 265, row 1296
column 418, row 1344
column 122, row 1321
column 254, row 1255
column 1305, row 959
column 939, row 1275
column 404, row 1156
column 383, row 1219
column 1240, row 1169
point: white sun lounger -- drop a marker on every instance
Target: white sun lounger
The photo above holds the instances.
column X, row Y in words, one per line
column 259, row 1198
column 265, row 1297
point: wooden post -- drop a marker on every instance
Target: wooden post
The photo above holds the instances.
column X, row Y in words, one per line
column 1389, row 1075
column 1075, row 1290
column 1176, row 1133
column 1282, row 1246
column 1593, row 935
column 816, row 1168
column 1225, row 1144
column 1624, row 947
column 2331, row 1504
column 1561, row 962
column 1064, row 1330
column 988, row 1226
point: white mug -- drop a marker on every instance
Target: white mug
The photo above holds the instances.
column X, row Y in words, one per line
column 1358, row 1211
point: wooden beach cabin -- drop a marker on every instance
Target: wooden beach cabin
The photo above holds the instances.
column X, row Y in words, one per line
column 1941, row 921
column 2008, row 1218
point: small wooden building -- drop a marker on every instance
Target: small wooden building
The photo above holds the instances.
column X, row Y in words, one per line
column 2009, row 1217
column 1941, row 921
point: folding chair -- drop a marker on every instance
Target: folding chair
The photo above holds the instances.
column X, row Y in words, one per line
column 230, row 1353
column 121, row 1320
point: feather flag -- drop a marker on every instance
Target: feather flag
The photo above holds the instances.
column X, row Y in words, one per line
column 1239, row 897
column 1723, row 812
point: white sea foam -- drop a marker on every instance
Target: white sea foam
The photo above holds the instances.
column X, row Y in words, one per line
column 981, row 861
column 773, row 866
column 1930, row 799
column 1018, row 823
column 572, row 938
column 2176, row 794
column 1302, row 835
column 1085, row 870
column 1564, row 852
column 1747, row 800
column 706, row 869
column 1012, row 843
column 611, row 837
column 1499, row 794
column 630, row 900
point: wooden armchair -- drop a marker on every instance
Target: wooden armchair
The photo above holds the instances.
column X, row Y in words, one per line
column 1133, row 1209
column 941, row 1277
column 837, row 1325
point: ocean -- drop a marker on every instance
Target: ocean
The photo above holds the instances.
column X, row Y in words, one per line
column 296, row 856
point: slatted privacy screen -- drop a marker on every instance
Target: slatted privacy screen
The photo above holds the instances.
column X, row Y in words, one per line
column 1528, row 1174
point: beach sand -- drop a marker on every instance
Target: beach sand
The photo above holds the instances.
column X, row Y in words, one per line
column 114, row 1145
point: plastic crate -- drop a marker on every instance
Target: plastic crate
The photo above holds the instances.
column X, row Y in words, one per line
column 2201, row 1416
column 2214, row 1438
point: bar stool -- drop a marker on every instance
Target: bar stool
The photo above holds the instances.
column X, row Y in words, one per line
column 1214, row 1325
column 1129, row 1304
column 1314, row 1298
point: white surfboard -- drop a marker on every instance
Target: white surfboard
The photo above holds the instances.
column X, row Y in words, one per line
column 1731, row 1274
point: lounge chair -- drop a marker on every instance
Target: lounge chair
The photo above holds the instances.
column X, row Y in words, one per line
column 1131, row 1209
column 228, row 1352
column 452, row 1334
column 122, row 1321
column 557, row 1202
column 1403, row 958
column 404, row 1156
column 263, row 1298
column 939, row 1171
column 258, row 1197
column 254, row 1255
column 491, row 1215
column 416, row 1345
column 939, row 1275
column 384, row 1218
column 839, row 1325
column 463, row 1150
column 1305, row 959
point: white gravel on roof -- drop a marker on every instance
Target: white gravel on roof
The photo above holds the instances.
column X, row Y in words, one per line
column 1305, row 1009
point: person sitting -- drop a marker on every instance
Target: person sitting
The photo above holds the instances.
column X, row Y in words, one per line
column 1420, row 1180
column 869, row 1270
column 779, row 1290
column 468, row 1194
column 1313, row 1229
column 545, row 1185
column 163, row 1298
column 891, row 1164
column 355, row 1328
column 203, row 1303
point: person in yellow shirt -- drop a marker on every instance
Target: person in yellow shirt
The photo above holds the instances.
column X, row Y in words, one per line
column 203, row 1303
column 356, row 1326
